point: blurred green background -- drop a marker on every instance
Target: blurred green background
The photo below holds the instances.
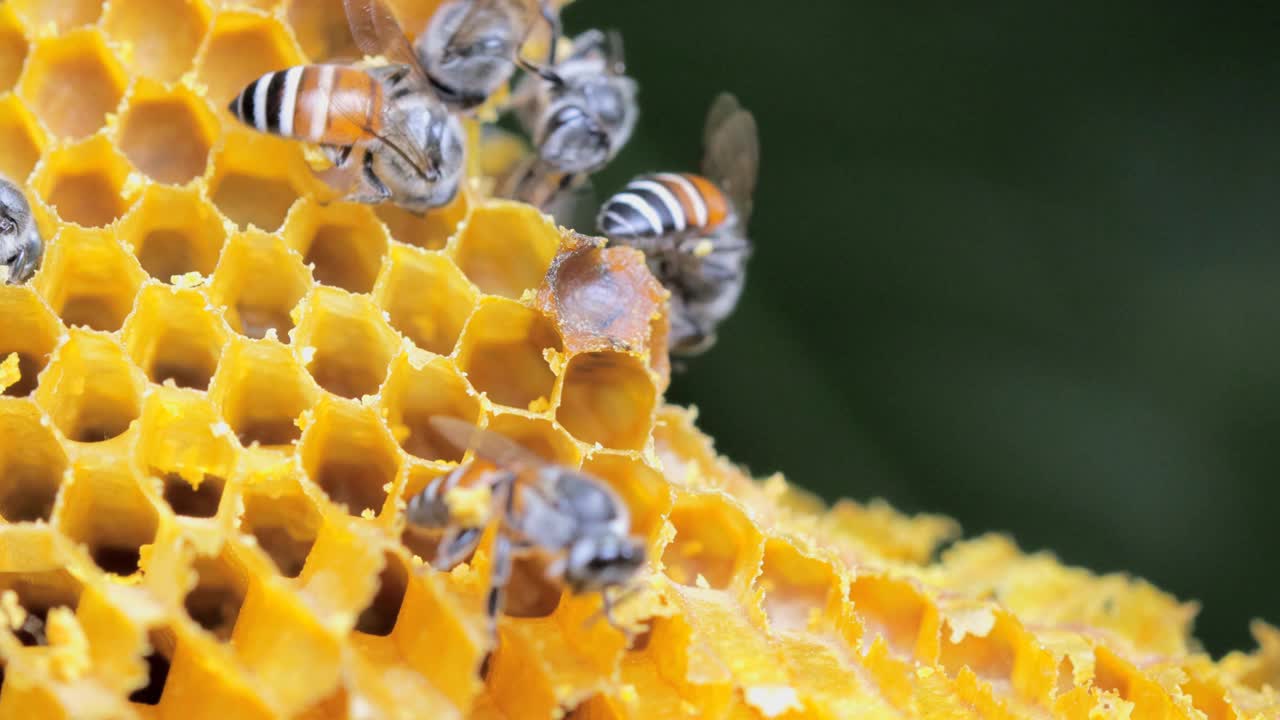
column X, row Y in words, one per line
column 1017, row 263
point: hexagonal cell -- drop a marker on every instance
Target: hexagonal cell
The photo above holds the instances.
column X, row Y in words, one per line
column 72, row 81
column 798, row 588
column 38, row 593
column 13, row 48
column 344, row 243
column 256, row 178
column 259, row 281
column 991, row 656
column 645, row 491
column 84, row 182
column 104, row 509
column 608, row 398
column 503, row 353
column 350, row 455
column 429, row 231
column 427, row 298
column 89, row 279
column 243, row 45
column 714, row 541
column 379, row 618
column 173, row 232
column 353, row 344
column 285, row 527
column 163, row 642
column 29, row 330
column 21, row 139
column 90, row 389
column 62, row 14
column 215, row 602
column 262, row 392
column 321, row 29
column 889, row 609
column 539, row 436
column 167, row 134
column 181, row 445
column 164, row 36
column 173, row 336
column 419, row 389
column 506, row 248
column 32, row 464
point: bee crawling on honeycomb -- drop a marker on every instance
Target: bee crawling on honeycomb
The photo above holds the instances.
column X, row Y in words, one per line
column 20, row 245
column 566, row 516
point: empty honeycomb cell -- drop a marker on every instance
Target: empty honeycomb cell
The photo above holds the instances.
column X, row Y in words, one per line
column 104, row 509
column 61, row 14
column 321, row 29
column 32, row 463
column 90, row 279
column 174, row 338
column 529, row 593
column 506, row 248
column 163, row 35
column 72, row 81
column 344, row 244
column 167, row 134
column 539, row 436
column 13, row 48
column 173, row 232
column 242, row 46
column 255, row 178
column 180, row 445
column 215, row 601
column 427, row 298
column 503, row 353
column 889, row 609
column 418, row 389
column 797, row 588
column 348, row 452
column 596, row 707
column 429, row 231
column 163, row 643
column 990, row 656
column 85, row 182
column 262, row 391
column 21, row 140
column 285, row 528
column 334, row 324
column 379, row 618
column 714, row 543
column 259, row 281
column 90, row 389
column 608, row 398
column 38, row 593
column 644, row 489
column 31, row 331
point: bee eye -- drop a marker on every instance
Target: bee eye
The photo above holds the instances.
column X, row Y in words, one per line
column 7, row 225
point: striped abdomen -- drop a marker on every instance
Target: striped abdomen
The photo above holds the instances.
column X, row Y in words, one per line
column 429, row 509
column 664, row 204
column 327, row 104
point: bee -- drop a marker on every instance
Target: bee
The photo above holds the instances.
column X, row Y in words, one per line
column 471, row 47
column 389, row 138
column 693, row 228
column 580, row 112
column 20, row 244
column 574, row 521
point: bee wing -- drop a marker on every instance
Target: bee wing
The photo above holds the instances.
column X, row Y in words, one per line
column 487, row 444
column 394, row 134
column 377, row 32
column 475, row 22
column 731, row 157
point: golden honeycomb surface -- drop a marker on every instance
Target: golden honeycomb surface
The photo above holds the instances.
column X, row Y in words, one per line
column 216, row 394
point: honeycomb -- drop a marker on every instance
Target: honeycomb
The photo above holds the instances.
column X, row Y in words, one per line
column 216, row 400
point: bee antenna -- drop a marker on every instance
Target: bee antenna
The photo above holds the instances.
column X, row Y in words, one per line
column 544, row 72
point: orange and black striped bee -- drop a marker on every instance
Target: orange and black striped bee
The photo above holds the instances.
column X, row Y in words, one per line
column 693, row 227
column 389, row 137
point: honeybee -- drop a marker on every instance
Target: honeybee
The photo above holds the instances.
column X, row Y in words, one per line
column 471, row 47
column 580, row 112
column 693, row 228
column 567, row 517
column 20, row 244
column 389, row 138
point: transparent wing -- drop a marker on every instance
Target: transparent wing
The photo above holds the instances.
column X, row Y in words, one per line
column 377, row 32
column 488, row 445
column 477, row 21
column 732, row 151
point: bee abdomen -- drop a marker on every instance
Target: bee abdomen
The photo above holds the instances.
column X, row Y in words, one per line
column 663, row 204
column 319, row 103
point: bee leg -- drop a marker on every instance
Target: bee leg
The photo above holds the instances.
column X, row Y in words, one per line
column 458, row 544
column 499, row 576
column 553, row 22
